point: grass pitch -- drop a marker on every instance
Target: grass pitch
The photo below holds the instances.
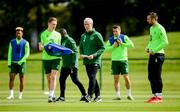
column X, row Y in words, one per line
column 34, row 99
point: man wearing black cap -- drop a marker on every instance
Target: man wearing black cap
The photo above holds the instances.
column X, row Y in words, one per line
column 17, row 54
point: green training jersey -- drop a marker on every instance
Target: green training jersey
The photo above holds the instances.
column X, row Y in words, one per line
column 158, row 39
column 27, row 52
column 92, row 43
column 69, row 61
column 119, row 53
column 50, row 37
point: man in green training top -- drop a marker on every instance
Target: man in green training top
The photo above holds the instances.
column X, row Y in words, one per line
column 69, row 66
column 51, row 64
column 118, row 44
column 155, row 49
column 91, row 48
column 17, row 54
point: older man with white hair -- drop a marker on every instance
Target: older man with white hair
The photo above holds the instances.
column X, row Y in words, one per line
column 91, row 48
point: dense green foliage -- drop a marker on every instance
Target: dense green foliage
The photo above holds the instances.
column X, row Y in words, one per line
column 130, row 14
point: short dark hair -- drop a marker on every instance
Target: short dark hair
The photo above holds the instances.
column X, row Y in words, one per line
column 52, row 19
column 153, row 15
column 116, row 26
column 62, row 30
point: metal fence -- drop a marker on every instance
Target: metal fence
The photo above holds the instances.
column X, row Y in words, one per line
column 100, row 70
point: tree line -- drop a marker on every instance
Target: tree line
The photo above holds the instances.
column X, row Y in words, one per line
column 130, row 14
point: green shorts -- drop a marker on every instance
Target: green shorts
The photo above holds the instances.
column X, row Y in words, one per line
column 51, row 65
column 16, row 68
column 119, row 67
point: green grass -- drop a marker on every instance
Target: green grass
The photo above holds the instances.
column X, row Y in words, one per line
column 35, row 100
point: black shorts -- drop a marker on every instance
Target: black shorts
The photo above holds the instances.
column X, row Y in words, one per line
column 16, row 68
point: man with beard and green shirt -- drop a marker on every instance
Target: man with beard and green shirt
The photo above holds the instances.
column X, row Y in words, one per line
column 69, row 66
column 91, row 48
column 155, row 49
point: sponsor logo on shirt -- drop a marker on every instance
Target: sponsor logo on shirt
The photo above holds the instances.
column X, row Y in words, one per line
column 91, row 37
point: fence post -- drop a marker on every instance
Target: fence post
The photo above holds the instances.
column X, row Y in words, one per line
column 100, row 77
column 42, row 76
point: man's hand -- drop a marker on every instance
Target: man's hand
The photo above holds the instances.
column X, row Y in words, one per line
column 151, row 53
column 41, row 47
column 119, row 42
column 90, row 57
column 115, row 44
column 147, row 50
column 83, row 56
